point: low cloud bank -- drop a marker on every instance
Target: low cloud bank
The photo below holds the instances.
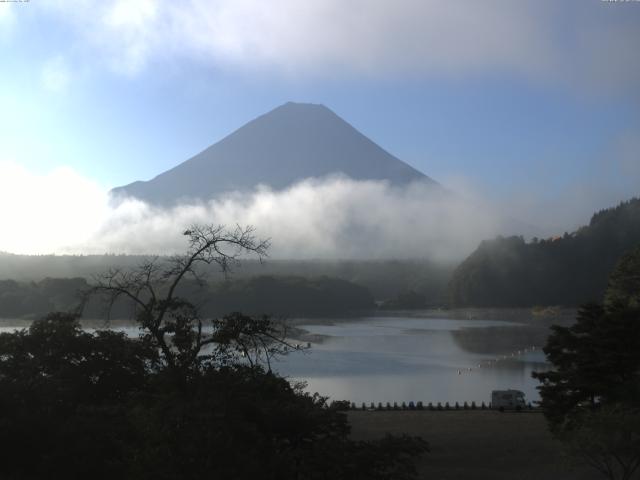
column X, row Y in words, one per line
column 330, row 218
column 337, row 217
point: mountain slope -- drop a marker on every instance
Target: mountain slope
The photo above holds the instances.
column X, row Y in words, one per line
column 292, row 142
column 568, row 270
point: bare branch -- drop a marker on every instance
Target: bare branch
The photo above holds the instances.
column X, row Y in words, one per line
column 171, row 323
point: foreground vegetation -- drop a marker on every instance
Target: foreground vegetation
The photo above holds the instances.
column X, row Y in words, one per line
column 191, row 398
column 591, row 397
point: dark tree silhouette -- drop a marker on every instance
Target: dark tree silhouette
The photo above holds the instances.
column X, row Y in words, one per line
column 624, row 282
column 63, row 407
column 168, row 321
column 608, row 440
column 591, row 397
column 595, row 361
column 189, row 399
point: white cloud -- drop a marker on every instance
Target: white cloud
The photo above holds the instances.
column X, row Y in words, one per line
column 56, row 74
column 573, row 42
column 120, row 34
column 128, row 14
column 41, row 213
column 331, row 218
column 62, row 212
column 135, row 24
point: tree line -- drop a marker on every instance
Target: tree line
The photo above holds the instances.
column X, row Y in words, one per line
column 278, row 296
column 383, row 278
column 568, row 270
column 591, row 396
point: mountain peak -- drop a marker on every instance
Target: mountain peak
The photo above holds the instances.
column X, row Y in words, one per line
column 290, row 143
column 298, row 110
column 302, row 105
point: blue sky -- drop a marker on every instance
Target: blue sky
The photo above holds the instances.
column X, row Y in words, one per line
column 528, row 103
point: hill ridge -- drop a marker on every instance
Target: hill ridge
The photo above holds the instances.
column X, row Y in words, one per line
column 564, row 270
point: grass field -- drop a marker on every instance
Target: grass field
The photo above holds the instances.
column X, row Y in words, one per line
column 476, row 444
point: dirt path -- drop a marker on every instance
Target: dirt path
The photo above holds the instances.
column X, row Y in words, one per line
column 476, row 444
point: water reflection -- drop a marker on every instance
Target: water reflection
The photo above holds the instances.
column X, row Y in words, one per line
column 396, row 359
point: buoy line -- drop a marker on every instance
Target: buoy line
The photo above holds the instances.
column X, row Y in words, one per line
column 493, row 361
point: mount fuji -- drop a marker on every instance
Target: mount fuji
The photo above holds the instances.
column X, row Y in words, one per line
column 293, row 142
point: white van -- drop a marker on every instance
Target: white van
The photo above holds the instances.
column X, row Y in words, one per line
column 507, row 400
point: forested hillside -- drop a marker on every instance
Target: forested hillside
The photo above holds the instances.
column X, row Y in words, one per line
column 278, row 296
column 567, row 270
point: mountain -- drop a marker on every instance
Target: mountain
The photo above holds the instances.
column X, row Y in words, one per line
column 290, row 143
column 568, row 270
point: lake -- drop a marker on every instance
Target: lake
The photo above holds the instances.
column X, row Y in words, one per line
column 401, row 359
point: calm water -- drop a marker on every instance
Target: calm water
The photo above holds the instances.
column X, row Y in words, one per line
column 402, row 359
column 396, row 359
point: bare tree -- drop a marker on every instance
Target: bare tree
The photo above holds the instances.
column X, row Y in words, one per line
column 172, row 323
column 256, row 339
